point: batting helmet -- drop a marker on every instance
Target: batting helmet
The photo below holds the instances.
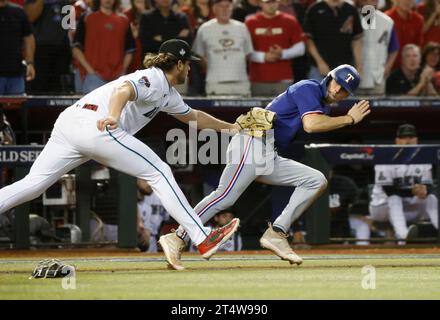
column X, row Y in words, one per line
column 346, row 76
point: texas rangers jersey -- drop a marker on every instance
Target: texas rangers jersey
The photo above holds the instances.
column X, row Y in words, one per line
column 153, row 94
column 401, row 177
column 302, row 98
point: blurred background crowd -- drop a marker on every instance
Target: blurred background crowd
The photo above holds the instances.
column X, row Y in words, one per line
column 249, row 47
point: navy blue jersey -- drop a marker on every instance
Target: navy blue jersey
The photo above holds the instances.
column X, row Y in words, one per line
column 301, row 98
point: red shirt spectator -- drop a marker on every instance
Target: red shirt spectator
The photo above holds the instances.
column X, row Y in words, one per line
column 82, row 6
column 408, row 25
column 198, row 12
column 282, row 30
column 19, row 2
column 105, row 39
column 138, row 7
column 430, row 10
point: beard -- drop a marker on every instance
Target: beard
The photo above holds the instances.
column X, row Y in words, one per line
column 181, row 78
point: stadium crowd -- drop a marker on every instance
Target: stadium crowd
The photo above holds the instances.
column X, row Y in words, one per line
column 249, row 47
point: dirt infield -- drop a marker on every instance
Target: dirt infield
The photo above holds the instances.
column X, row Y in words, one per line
column 107, row 252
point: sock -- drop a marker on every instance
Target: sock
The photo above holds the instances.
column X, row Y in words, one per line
column 276, row 229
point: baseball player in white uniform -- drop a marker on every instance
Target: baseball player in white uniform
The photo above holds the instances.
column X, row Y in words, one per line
column 400, row 192
column 101, row 125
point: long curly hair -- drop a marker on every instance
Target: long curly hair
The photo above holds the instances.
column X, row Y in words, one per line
column 164, row 61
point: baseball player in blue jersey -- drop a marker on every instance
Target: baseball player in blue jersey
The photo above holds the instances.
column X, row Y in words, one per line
column 303, row 105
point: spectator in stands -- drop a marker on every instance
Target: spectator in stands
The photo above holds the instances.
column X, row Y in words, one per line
column 224, row 44
column 403, row 193
column 134, row 14
column 296, row 8
column 334, row 32
column 198, row 13
column 431, row 58
column 379, row 50
column 52, row 53
column 277, row 38
column 244, row 9
column 103, row 45
column 81, row 7
column 431, row 55
column 408, row 25
column 15, row 35
column 430, row 10
column 301, row 64
column 152, row 215
column 410, row 79
column 161, row 24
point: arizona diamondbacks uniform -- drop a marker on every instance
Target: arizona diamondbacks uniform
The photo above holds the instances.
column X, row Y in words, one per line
column 76, row 139
column 392, row 198
column 379, row 41
column 258, row 159
column 153, row 214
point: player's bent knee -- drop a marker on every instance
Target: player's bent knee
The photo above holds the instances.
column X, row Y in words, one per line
column 321, row 181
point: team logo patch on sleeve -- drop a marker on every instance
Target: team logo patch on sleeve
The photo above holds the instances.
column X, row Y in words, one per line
column 144, row 80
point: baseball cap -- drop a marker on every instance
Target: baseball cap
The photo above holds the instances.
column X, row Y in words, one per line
column 406, row 130
column 178, row 48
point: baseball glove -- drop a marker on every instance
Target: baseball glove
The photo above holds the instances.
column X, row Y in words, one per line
column 256, row 122
column 51, row 268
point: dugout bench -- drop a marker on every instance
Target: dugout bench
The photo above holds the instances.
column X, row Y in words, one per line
column 323, row 156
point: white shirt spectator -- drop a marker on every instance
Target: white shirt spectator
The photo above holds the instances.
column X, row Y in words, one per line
column 225, row 46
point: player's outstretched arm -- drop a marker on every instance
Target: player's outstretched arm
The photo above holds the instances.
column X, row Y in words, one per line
column 322, row 123
column 120, row 96
column 206, row 121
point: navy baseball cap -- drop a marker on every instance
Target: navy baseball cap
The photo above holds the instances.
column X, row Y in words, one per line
column 178, row 48
column 347, row 76
column 406, row 130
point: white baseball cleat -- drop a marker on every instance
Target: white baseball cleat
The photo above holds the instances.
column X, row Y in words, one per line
column 172, row 247
column 277, row 243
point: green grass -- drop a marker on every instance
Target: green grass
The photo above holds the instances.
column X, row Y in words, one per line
column 320, row 277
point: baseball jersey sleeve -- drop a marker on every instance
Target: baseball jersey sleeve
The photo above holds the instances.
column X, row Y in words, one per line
column 308, row 100
column 176, row 105
column 144, row 87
